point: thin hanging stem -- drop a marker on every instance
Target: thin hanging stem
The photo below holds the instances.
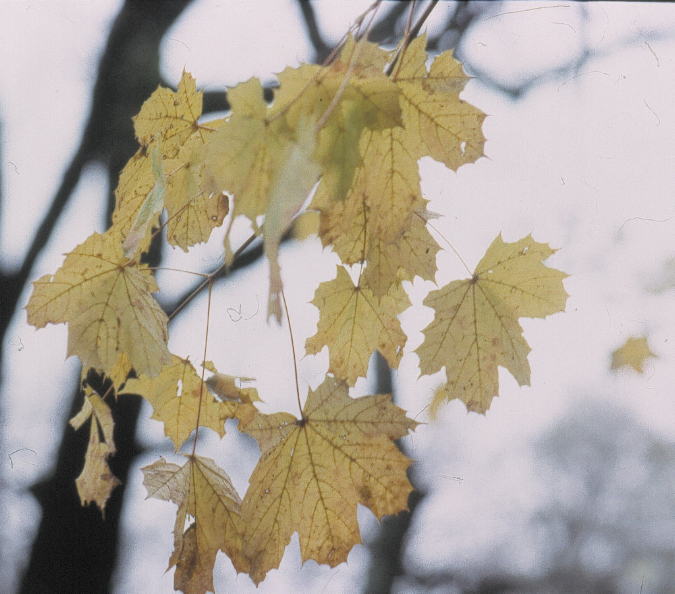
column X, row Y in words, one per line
column 295, row 361
column 452, row 247
column 156, row 268
column 201, row 386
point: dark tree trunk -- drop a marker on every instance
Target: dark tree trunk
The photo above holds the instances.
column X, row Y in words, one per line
column 76, row 549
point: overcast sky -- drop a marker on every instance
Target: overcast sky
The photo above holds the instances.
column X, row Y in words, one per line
column 582, row 161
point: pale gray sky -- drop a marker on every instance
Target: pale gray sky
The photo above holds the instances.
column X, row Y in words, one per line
column 584, row 162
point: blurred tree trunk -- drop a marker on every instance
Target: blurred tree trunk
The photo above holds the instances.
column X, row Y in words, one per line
column 76, row 549
column 386, row 551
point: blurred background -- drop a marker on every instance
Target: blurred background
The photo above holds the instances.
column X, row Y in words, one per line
column 564, row 486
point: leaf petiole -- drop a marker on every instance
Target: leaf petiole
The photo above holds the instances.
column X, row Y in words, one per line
column 295, row 361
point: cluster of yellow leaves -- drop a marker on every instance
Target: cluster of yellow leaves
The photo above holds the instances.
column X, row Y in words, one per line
column 351, row 132
column 379, row 221
column 312, row 474
column 357, row 132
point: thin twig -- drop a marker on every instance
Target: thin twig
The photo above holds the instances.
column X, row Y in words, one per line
column 211, row 278
column 410, row 35
column 201, row 385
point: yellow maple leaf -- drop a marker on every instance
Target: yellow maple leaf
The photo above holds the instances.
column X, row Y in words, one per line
column 245, row 153
column 354, row 323
column 193, row 211
column 380, row 204
column 633, row 353
column 181, row 401
column 206, row 497
column 315, row 470
column 107, row 304
column 476, row 329
column 168, row 171
column 436, row 120
column 414, row 254
column 171, row 116
column 96, row 482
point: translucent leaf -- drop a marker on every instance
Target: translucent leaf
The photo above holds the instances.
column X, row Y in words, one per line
column 475, row 327
column 108, row 306
column 354, row 323
column 315, row 470
column 206, row 497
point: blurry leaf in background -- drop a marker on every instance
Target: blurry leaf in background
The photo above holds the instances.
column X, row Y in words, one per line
column 633, row 353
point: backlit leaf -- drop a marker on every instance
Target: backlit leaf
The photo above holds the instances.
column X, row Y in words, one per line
column 108, row 306
column 181, row 401
column 476, row 329
column 354, row 323
column 315, row 470
column 206, row 498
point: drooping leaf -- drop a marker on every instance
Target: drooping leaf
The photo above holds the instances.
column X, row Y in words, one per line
column 181, row 401
column 170, row 115
column 149, row 210
column 315, row 470
column 107, row 304
column 96, row 482
column 136, row 182
column 633, row 353
column 207, row 499
column 354, row 323
column 287, row 193
column 476, row 329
